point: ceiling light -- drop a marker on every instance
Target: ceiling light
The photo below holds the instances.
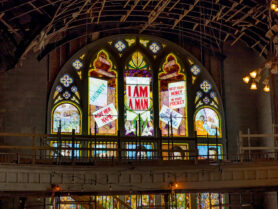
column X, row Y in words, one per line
column 246, row 79
column 253, row 86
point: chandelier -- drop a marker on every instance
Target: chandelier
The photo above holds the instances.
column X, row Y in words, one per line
column 263, row 73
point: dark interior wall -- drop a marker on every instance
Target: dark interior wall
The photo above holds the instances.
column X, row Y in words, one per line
column 245, row 109
column 23, row 92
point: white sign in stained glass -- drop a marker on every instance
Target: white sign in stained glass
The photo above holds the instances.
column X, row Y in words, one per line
column 98, row 92
column 176, row 94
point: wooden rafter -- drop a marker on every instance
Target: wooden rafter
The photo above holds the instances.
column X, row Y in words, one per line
column 191, row 7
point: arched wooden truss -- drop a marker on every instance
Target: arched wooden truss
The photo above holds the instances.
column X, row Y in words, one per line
column 42, row 25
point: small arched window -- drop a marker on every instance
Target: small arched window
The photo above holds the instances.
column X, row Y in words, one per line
column 207, row 122
column 66, row 116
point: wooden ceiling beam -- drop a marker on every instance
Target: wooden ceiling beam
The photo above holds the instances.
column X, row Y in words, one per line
column 191, row 7
column 154, row 14
column 124, row 17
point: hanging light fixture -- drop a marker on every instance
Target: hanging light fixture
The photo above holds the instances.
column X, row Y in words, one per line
column 270, row 66
column 274, row 5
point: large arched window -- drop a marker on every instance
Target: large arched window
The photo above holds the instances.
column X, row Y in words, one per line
column 138, row 97
column 132, row 85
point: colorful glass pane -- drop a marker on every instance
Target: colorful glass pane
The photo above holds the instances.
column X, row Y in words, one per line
column 59, row 88
column 210, row 200
column 107, row 202
column 140, row 151
column 120, row 46
column 210, row 151
column 138, row 98
column 64, row 205
column 205, row 86
column 68, row 117
column 212, row 94
column 102, row 150
column 195, row 70
column 172, row 98
column 77, row 64
column 178, row 201
column 65, row 149
column 175, row 151
column 66, row 95
column 154, row 47
column 206, row 100
column 74, row 89
column 199, row 94
column 66, row 80
column 140, row 201
column 207, row 122
column 103, row 114
column 137, row 62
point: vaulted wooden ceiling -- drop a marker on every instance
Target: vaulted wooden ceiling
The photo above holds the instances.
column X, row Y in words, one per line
column 42, row 25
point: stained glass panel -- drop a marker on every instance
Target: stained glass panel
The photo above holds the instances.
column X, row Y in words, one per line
column 107, row 202
column 173, row 98
column 175, row 151
column 138, row 97
column 102, row 150
column 178, row 201
column 140, row 151
column 68, row 117
column 207, row 122
column 65, row 149
column 62, row 203
column 103, row 114
column 210, row 201
column 210, row 151
column 140, row 201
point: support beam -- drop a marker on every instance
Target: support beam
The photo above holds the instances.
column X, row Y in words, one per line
column 185, row 12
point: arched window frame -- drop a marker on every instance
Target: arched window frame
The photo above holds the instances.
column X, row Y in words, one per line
column 80, row 114
column 90, row 69
column 219, row 118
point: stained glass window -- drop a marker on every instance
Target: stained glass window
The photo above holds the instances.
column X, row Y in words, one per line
column 66, row 80
column 173, row 98
column 138, row 97
column 178, row 201
column 139, row 151
column 77, row 64
column 120, row 46
column 68, row 117
column 64, row 204
column 107, row 202
column 210, row 200
column 207, row 122
column 103, row 113
column 140, row 201
column 212, row 151
column 154, row 47
column 175, row 151
column 205, row 86
column 103, row 150
column 65, row 149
